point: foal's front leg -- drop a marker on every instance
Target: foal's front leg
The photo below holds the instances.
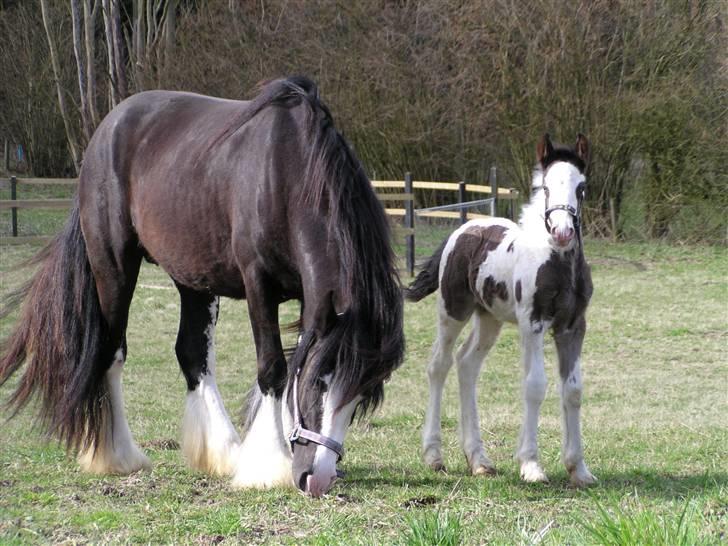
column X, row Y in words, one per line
column 534, row 390
column 568, row 346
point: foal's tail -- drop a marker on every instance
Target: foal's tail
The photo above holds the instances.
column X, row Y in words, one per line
column 61, row 336
column 428, row 279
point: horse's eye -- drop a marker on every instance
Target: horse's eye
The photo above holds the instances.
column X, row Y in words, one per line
column 581, row 190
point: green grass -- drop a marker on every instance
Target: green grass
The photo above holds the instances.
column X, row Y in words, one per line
column 654, row 423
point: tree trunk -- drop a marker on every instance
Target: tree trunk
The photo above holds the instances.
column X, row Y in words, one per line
column 118, row 43
column 89, row 15
column 170, row 24
column 72, row 144
column 80, row 69
column 114, row 86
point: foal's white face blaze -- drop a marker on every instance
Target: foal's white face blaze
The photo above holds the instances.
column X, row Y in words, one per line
column 561, row 181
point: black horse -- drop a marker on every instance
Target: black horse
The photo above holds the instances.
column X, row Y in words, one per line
column 262, row 200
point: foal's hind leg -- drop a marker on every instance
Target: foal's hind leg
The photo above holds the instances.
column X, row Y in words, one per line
column 441, row 361
column 209, row 441
column 568, row 346
column 470, row 361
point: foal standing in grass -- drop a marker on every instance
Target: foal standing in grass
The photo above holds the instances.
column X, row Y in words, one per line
column 532, row 274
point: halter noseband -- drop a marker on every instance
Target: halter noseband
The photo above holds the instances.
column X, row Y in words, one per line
column 574, row 212
column 302, row 436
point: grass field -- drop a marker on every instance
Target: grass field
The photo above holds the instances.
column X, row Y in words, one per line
column 654, row 418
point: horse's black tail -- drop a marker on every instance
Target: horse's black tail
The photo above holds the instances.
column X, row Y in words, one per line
column 428, row 278
column 63, row 338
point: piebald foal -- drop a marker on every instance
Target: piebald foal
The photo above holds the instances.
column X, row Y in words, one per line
column 532, row 274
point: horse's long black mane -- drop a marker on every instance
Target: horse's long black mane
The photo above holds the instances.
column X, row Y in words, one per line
column 366, row 342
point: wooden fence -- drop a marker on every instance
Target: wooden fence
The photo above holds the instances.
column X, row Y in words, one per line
column 406, row 197
column 458, row 210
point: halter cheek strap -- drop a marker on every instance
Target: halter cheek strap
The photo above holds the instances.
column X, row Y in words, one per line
column 302, row 436
column 574, row 212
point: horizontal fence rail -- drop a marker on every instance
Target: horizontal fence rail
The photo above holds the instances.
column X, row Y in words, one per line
column 405, row 197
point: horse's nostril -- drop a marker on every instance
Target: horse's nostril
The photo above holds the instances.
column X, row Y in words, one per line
column 303, row 482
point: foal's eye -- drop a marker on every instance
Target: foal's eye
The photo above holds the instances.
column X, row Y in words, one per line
column 581, row 190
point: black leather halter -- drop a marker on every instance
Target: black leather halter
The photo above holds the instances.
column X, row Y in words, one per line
column 574, row 212
column 302, row 436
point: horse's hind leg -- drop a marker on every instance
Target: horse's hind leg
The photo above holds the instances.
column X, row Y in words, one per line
column 209, row 441
column 568, row 347
column 470, row 361
column 115, row 267
column 115, row 452
column 441, row 361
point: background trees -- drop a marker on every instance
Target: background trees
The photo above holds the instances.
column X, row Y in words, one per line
column 441, row 88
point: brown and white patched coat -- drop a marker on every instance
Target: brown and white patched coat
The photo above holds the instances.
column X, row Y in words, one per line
column 532, row 274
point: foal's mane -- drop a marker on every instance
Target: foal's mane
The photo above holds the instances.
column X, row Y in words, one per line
column 366, row 342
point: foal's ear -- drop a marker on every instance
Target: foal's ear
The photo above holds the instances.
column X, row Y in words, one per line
column 582, row 148
column 544, row 148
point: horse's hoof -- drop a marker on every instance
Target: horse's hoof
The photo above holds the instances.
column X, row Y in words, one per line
column 437, row 466
column 483, row 470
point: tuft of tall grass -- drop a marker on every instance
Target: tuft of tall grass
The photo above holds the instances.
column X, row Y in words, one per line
column 434, row 528
column 620, row 527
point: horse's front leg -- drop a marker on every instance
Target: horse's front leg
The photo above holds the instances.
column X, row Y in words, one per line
column 265, row 457
column 568, row 347
column 534, row 390
column 209, row 440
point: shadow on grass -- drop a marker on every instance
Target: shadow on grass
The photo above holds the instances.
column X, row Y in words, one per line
column 647, row 482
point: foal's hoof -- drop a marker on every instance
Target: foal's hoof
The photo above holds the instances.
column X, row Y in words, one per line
column 437, row 466
column 532, row 472
column 582, row 478
column 483, row 470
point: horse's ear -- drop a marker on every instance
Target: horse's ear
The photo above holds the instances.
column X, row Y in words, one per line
column 544, row 148
column 582, row 148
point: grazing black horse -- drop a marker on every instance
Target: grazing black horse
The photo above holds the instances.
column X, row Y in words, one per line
column 262, row 200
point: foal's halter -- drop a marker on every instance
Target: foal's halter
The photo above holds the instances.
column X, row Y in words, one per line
column 303, row 436
column 574, row 212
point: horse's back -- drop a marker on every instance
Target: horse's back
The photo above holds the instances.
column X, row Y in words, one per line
column 166, row 167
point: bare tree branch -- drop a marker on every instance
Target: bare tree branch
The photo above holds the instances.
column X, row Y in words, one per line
column 70, row 137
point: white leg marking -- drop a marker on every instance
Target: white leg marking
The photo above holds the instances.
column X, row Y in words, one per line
column 440, row 363
column 572, row 452
column 334, row 424
column 470, row 361
column 264, row 459
column 115, row 452
column 534, row 390
column 209, row 440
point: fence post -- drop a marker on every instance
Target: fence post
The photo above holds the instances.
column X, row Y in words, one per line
column 493, row 191
column 409, row 224
column 462, row 199
column 511, row 204
column 14, row 210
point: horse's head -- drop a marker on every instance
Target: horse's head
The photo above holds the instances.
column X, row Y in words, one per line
column 563, row 183
column 331, row 376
